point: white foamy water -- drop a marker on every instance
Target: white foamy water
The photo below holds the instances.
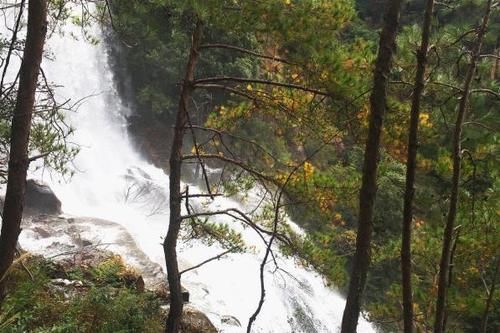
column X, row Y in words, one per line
column 114, row 183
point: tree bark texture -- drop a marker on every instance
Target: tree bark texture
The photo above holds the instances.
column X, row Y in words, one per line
column 170, row 244
column 444, row 266
column 411, row 164
column 387, row 46
column 20, row 133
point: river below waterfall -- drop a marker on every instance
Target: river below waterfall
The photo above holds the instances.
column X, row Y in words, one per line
column 112, row 182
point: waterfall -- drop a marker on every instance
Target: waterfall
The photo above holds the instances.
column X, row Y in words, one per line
column 113, row 182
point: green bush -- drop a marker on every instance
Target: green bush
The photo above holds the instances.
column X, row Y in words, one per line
column 107, row 301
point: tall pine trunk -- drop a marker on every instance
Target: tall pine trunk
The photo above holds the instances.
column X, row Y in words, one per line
column 387, row 46
column 411, row 164
column 444, row 266
column 170, row 244
column 20, row 132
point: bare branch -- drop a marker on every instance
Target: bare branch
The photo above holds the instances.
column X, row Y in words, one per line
column 240, row 216
column 200, row 195
column 197, row 151
column 12, row 43
column 268, row 249
column 243, row 50
column 230, row 89
column 494, row 56
column 37, row 157
column 221, row 133
column 232, row 161
column 478, row 124
column 486, row 91
column 217, row 257
column 260, row 81
column 111, row 21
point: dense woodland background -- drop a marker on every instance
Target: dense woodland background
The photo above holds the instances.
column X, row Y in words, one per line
column 280, row 96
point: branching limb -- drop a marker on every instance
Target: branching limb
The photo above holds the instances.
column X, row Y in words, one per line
column 12, row 44
column 227, row 88
column 220, row 134
column 231, row 161
column 197, row 151
column 260, row 81
column 240, row 216
column 243, row 50
column 268, row 249
column 39, row 156
column 217, row 257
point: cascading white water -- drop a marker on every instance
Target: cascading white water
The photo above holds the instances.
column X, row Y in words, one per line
column 107, row 186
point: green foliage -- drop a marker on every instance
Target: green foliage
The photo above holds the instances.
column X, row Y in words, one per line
column 105, row 303
column 211, row 233
column 273, row 129
column 447, row 64
column 49, row 132
column 157, row 39
column 47, row 139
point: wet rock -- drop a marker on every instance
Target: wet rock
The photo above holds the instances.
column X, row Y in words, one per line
column 230, row 320
column 139, row 284
column 194, row 321
column 42, row 232
column 148, row 135
column 83, row 240
column 67, row 283
column 40, row 199
column 164, row 293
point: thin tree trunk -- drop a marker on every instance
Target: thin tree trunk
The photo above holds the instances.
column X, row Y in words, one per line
column 411, row 164
column 496, row 62
column 491, row 292
column 20, row 132
column 170, row 244
column 439, row 323
column 387, row 46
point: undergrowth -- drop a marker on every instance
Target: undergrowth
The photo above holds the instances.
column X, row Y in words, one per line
column 107, row 301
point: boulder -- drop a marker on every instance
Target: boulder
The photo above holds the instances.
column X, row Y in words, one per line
column 230, row 320
column 39, row 199
column 194, row 321
column 163, row 292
